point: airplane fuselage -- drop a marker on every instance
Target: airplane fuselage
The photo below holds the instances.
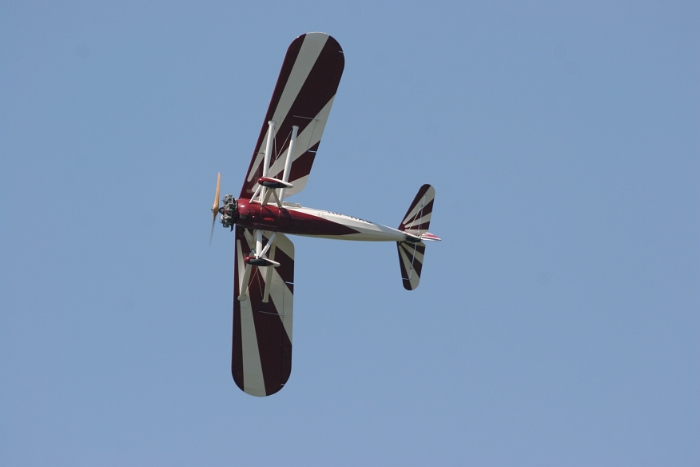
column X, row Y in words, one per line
column 298, row 220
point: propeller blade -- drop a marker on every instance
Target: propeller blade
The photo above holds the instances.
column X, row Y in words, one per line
column 215, row 207
column 211, row 234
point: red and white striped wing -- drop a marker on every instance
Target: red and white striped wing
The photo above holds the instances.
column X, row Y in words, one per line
column 262, row 332
column 303, row 97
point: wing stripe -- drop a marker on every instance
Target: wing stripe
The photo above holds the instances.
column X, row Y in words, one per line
column 282, row 297
column 262, row 337
column 303, row 97
column 273, row 343
column 307, row 56
column 307, row 144
column 253, row 381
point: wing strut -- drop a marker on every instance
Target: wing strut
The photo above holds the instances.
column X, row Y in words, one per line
column 267, row 186
column 268, row 154
column 288, row 162
column 303, row 97
column 258, row 259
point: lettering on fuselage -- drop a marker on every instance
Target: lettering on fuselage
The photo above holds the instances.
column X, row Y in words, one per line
column 349, row 217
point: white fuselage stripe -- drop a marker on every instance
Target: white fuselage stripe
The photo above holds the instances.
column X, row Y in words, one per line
column 253, row 380
column 366, row 231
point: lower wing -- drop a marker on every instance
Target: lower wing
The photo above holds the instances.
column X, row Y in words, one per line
column 262, row 316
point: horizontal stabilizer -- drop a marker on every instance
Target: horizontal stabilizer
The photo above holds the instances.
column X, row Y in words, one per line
column 428, row 237
column 411, row 262
column 417, row 218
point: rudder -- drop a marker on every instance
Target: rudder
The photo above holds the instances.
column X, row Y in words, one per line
column 416, row 223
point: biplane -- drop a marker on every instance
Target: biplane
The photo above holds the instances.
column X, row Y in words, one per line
column 263, row 218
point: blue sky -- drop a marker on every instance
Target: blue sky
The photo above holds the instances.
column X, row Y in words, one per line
column 556, row 324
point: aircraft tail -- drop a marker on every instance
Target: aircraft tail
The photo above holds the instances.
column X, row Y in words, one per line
column 415, row 224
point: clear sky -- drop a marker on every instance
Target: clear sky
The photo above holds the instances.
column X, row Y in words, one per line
column 558, row 322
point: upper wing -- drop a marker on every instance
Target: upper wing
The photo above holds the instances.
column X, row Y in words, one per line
column 262, row 331
column 303, row 97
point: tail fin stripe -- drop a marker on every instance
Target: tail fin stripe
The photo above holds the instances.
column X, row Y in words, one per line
column 407, row 259
column 419, row 210
column 416, row 255
column 411, row 262
column 408, row 264
column 418, row 229
column 420, row 221
column 415, row 224
column 403, row 263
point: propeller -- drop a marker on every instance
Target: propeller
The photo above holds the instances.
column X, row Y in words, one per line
column 215, row 208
